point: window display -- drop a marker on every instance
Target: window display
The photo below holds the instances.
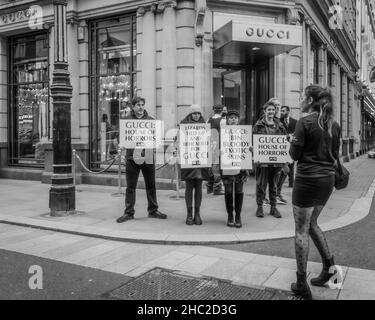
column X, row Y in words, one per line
column 113, row 67
column 29, row 99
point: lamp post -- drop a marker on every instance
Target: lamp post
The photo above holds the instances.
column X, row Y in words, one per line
column 62, row 192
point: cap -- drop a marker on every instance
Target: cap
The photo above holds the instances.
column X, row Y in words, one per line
column 233, row 113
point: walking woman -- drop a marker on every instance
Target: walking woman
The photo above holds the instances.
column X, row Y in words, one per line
column 233, row 183
column 194, row 177
column 315, row 145
column 268, row 174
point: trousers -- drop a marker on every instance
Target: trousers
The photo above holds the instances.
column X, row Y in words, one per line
column 267, row 176
column 132, row 175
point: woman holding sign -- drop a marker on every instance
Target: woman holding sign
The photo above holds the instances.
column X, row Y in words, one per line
column 268, row 174
column 233, row 183
column 194, row 177
column 315, row 145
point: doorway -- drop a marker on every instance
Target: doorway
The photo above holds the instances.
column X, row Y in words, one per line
column 244, row 88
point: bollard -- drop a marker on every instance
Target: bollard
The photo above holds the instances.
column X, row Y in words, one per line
column 119, row 193
column 177, row 182
column 74, row 166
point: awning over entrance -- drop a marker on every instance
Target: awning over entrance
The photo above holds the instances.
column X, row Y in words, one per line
column 238, row 42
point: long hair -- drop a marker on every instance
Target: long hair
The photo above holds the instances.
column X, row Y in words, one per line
column 322, row 103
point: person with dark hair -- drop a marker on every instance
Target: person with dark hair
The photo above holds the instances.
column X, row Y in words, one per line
column 214, row 184
column 267, row 174
column 315, row 145
column 233, row 183
column 290, row 125
column 135, row 163
column 194, row 177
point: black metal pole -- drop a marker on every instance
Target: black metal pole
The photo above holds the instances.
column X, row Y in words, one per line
column 62, row 192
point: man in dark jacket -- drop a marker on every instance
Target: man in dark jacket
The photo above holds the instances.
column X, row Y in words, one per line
column 214, row 184
column 136, row 161
column 290, row 126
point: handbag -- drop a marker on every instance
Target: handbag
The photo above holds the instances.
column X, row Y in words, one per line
column 341, row 176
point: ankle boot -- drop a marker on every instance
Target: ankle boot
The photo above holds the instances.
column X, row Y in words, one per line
column 229, row 207
column 301, row 288
column 197, row 217
column 324, row 276
column 189, row 218
column 259, row 213
column 238, row 208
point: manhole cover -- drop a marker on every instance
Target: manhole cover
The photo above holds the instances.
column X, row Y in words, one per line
column 162, row 284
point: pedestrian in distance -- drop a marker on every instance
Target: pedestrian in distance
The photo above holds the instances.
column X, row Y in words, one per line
column 214, row 184
column 268, row 174
column 233, row 183
column 137, row 161
column 194, row 177
column 315, row 145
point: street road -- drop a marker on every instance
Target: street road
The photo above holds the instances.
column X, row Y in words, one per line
column 352, row 246
column 60, row 280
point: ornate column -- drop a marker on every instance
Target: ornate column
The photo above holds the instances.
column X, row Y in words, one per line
column 62, row 192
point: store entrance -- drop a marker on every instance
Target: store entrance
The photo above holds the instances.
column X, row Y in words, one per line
column 244, row 88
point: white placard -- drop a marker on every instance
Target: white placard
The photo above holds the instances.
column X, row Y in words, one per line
column 271, row 149
column 195, row 146
column 236, row 146
column 141, row 134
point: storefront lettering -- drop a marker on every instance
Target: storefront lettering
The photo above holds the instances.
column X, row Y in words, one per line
column 269, row 33
column 19, row 15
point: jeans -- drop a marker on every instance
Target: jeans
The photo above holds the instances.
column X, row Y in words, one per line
column 214, row 181
column 267, row 176
column 132, row 174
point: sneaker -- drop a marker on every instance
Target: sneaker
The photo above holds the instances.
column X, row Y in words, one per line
column 259, row 213
column 281, row 200
column 276, row 213
column 210, row 190
column 266, row 201
column 124, row 218
column 157, row 215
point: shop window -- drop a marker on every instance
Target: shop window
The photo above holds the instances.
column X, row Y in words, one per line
column 112, row 82
column 29, row 99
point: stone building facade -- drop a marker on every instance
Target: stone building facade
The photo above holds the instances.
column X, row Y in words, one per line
column 173, row 53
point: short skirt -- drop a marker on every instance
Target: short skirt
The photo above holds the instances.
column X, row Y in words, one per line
column 312, row 191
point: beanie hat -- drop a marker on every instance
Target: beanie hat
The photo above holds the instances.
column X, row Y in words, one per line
column 218, row 108
column 233, row 113
column 195, row 108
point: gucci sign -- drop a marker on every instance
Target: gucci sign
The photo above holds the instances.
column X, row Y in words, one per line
column 269, row 33
column 19, row 15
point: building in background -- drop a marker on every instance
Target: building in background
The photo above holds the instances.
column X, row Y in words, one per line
column 367, row 74
column 174, row 53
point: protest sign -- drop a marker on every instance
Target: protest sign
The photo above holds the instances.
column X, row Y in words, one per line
column 271, row 149
column 141, row 134
column 195, row 140
column 236, row 146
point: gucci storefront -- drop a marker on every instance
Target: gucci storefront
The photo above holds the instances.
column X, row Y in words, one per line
column 173, row 53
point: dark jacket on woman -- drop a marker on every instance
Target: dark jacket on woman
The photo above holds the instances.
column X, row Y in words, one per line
column 261, row 127
column 191, row 173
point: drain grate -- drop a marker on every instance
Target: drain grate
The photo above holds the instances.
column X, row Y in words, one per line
column 162, row 284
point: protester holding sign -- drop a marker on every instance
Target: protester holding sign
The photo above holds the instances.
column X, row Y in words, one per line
column 267, row 173
column 194, row 177
column 315, row 145
column 234, row 179
column 140, row 160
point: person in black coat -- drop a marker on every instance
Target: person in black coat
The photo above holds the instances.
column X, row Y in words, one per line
column 233, row 183
column 290, row 126
column 140, row 160
column 194, row 177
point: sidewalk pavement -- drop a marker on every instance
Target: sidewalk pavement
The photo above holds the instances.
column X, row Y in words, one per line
column 134, row 259
column 25, row 203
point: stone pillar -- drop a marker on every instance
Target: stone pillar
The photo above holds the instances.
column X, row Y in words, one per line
column 3, row 102
column 169, row 68
column 189, row 62
column 322, row 69
column 148, row 65
column 62, row 192
column 336, row 90
column 344, row 105
column 83, row 51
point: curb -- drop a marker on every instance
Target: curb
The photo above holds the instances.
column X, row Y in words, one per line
column 358, row 211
